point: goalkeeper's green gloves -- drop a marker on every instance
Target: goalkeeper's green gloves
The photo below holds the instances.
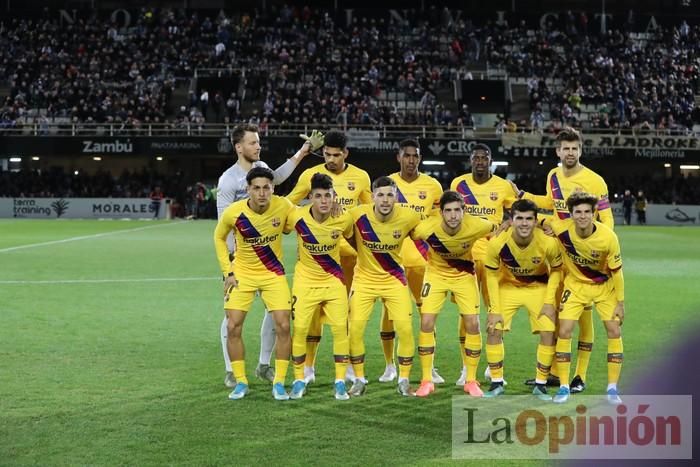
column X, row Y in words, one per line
column 315, row 140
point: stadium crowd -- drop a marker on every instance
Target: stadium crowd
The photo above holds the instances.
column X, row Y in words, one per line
column 303, row 66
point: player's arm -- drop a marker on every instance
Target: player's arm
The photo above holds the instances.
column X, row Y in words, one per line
column 615, row 265
column 301, row 189
column 492, row 264
column 542, row 201
column 366, row 190
column 223, row 227
column 311, row 143
column 605, row 213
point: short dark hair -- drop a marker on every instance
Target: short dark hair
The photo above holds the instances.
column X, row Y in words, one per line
column 321, row 181
column 450, row 197
column 382, row 182
column 523, row 205
column 580, row 197
column 568, row 134
column 239, row 132
column 481, row 147
column 409, row 143
column 258, row 172
column 335, row 139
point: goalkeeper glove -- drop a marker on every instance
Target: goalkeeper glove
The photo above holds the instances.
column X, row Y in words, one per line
column 315, row 140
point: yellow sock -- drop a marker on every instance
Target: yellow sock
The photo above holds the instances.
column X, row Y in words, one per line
column 280, row 371
column 615, row 357
column 563, row 357
column 299, row 346
column 388, row 335
column 472, row 351
column 462, row 335
column 545, row 356
column 494, row 356
column 406, row 347
column 426, row 351
column 298, row 366
column 313, row 339
column 341, row 350
column 238, row 367
column 357, row 347
column 585, row 343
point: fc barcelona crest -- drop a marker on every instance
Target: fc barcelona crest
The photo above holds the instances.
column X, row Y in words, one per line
column 536, row 260
column 397, row 234
column 595, row 254
column 422, row 194
column 335, row 234
column 465, row 245
column 276, row 222
column 351, row 186
column 493, row 196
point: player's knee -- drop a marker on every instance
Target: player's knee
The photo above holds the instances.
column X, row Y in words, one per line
column 494, row 337
column 613, row 329
column 282, row 327
column 472, row 325
column 546, row 338
column 234, row 330
column 564, row 333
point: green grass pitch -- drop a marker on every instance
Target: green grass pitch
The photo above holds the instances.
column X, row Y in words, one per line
column 110, row 354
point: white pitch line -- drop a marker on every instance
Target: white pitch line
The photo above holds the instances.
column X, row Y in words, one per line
column 85, row 237
column 105, row 281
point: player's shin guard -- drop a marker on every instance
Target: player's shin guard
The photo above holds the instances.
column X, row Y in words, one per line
column 313, row 340
column 341, row 350
column 495, row 354
column 472, row 352
column 387, row 333
column 406, row 348
column 357, row 347
column 238, row 367
column 224, row 343
column 563, row 357
column 585, row 343
column 267, row 338
column 281, row 371
column 615, row 357
column 545, row 357
column 426, row 352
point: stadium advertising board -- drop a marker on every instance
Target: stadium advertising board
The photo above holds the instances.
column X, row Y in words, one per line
column 114, row 145
column 663, row 214
column 649, row 147
column 80, row 208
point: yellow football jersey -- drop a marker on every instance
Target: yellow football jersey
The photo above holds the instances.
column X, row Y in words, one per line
column 352, row 186
column 486, row 200
column 589, row 260
column 522, row 266
column 379, row 244
column 560, row 187
column 258, row 238
column 318, row 263
column 451, row 255
column 423, row 196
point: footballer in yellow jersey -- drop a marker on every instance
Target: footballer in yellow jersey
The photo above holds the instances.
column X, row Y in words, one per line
column 351, row 186
column 593, row 277
column 257, row 266
column 319, row 283
column 450, row 269
column 380, row 229
column 572, row 177
column 523, row 270
column 421, row 193
column 487, row 196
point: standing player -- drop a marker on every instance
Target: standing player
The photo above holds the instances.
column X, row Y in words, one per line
column 572, row 177
column 319, row 282
column 421, row 193
column 487, row 196
column 351, row 186
column 523, row 269
column 232, row 187
column 593, row 277
column 451, row 237
column 257, row 223
column 380, row 229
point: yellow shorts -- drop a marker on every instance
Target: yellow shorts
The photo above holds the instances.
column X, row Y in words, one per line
column 531, row 298
column 578, row 297
column 332, row 302
column 274, row 291
column 465, row 293
column 396, row 299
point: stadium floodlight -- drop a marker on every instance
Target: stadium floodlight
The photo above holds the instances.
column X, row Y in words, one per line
column 499, row 163
column 432, row 162
column 97, row 158
column 667, row 165
column 159, row 158
column 690, row 167
column 15, row 159
column 35, row 158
